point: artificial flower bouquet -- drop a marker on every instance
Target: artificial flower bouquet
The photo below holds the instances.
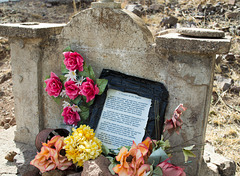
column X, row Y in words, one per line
column 150, row 157
column 77, row 86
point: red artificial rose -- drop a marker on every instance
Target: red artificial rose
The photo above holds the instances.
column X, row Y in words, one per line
column 170, row 170
column 73, row 61
column 70, row 117
column 89, row 90
column 54, row 85
column 72, row 90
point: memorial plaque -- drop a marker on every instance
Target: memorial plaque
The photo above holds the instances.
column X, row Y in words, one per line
column 128, row 110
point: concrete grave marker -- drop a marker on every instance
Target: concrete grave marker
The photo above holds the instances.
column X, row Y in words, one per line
column 111, row 38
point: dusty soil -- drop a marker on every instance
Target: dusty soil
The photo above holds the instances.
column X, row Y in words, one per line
column 223, row 128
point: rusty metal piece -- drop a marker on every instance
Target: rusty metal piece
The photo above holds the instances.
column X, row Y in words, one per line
column 47, row 134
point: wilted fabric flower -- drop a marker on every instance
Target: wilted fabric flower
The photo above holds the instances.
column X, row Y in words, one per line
column 72, row 90
column 89, row 90
column 70, row 116
column 175, row 123
column 82, row 145
column 53, row 85
column 50, row 158
column 143, row 170
column 170, row 170
column 73, row 61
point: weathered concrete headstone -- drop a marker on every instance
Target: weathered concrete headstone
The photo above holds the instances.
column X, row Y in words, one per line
column 115, row 39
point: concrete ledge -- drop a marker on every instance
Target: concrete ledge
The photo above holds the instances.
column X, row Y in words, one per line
column 30, row 30
column 177, row 43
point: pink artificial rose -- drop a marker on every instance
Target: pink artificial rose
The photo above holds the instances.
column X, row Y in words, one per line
column 70, row 117
column 89, row 90
column 72, row 90
column 73, row 61
column 54, row 85
column 170, row 170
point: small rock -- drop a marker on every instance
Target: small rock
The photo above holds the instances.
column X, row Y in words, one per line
column 229, row 57
column 7, row 120
column 34, row 172
column 225, row 167
column 6, row 126
column 232, row 15
column 48, row 5
column 232, row 2
column 1, row 93
column 136, row 9
column 95, row 167
column 169, row 21
column 224, row 68
column 156, row 8
column 10, row 156
column 5, row 77
column 55, row 172
column 223, row 82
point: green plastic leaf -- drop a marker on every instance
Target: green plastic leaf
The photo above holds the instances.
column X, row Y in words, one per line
column 102, row 83
column 62, row 78
column 110, row 168
column 64, row 70
column 89, row 103
column 85, row 72
column 47, row 77
column 189, row 147
column 150, row 173
column 157, row 157
column 67, row 49
column 84, row 114
column 91, row 73
column 157, row 172
column 105, row 150
column 76, row 100
column 188, row 153
column 58, row 100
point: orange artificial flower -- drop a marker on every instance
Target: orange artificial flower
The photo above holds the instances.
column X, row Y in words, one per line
column 123, row 169
column 50, row 158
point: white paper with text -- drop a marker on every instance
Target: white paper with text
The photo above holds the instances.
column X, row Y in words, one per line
column 124, row 118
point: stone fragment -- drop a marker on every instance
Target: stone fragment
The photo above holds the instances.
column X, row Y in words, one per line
column 236, row 87
column 169, row 21
column 34, row 172
column 232, row 2
column 233, row 15
column 5, row 77
column 10, row 156
column 223, row 82
column 197, row 32
column 95, row 167
column 226, row 167
column 55, row 172
column 1, row 93
column 229, row 57
column 156, row 8
column 136, row 9
column 24, row 158
column 6, row 126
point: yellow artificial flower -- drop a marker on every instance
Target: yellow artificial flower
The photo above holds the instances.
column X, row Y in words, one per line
column 82, row 145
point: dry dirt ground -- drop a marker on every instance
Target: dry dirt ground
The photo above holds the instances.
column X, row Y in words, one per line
column 223, row 130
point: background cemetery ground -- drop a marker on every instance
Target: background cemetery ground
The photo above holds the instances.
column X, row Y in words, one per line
column 224, row 119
